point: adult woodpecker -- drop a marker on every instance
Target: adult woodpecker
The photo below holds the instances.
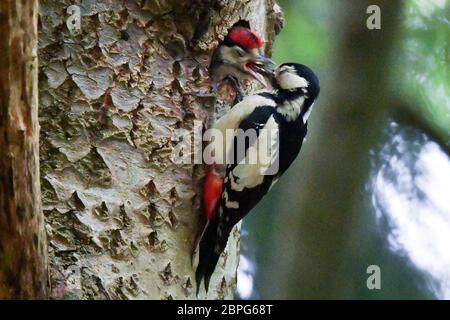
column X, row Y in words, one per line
column 238, row 58
column 283, row 113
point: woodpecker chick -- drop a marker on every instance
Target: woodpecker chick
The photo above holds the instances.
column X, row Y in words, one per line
column 283, row 112
column 239, row 57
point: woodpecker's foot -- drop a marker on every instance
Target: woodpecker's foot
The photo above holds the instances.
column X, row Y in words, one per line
column 234, row 82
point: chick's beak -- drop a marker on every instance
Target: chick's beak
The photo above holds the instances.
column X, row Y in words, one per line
column 260, row 68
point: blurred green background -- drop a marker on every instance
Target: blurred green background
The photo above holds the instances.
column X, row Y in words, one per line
column 372, row 183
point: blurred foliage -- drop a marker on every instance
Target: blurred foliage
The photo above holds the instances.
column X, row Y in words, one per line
column 306, row 34
column 420, row 75
column 425, row 61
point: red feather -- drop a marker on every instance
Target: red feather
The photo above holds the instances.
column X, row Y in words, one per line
column 245, row 37
column 212, row 190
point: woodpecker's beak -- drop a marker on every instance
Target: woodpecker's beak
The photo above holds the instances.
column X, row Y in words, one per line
column 260, row 68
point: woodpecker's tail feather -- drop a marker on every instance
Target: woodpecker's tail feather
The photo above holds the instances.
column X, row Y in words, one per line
column 208, row 253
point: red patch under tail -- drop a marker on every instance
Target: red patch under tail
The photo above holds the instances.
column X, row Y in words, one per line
column 212, row 190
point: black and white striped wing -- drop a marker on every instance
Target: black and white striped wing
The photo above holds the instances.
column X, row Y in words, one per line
column 250, row 173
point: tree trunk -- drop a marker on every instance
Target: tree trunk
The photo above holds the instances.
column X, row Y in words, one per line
column 23, row 252
column 115, row 98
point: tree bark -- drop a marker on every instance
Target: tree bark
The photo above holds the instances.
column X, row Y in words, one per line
column 23, row 251
column 122, row 217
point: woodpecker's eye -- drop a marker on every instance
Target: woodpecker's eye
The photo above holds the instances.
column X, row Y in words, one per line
column 241, row 52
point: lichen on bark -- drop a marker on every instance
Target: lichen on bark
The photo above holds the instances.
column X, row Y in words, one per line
column 122, row 217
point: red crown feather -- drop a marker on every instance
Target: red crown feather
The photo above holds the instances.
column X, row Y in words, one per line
column 245, row 37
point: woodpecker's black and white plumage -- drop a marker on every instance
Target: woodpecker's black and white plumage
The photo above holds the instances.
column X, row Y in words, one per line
column 239, row 57
column 283, row 111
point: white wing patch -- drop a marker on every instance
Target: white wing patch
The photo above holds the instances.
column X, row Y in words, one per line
column 233, row 118
column 291, row 109
column 223, row 140
column 265, row 151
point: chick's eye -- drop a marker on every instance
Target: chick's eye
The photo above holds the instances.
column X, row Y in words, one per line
column 240, row 52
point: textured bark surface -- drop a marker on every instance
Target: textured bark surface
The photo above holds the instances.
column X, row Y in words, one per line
column 122, row 217
column 23, row 266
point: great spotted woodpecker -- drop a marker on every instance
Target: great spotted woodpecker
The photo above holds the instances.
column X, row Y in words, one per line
column 284, row 110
